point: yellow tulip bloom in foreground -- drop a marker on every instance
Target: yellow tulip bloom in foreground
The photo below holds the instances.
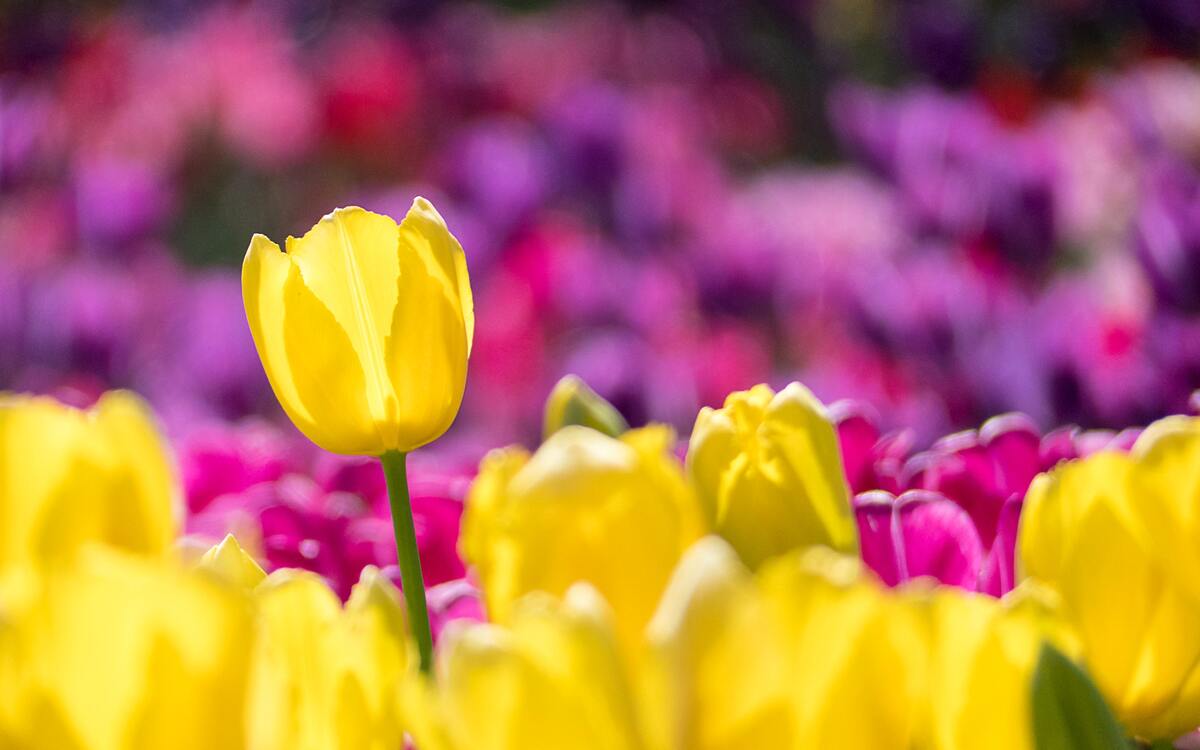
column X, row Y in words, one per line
column 551, row 678
column 325, row 677
column 615, row 513
column 364, row 327
column 1113, row 534
column 767, row 468
column 813, row 653
column 121, row 652
column 68, row 476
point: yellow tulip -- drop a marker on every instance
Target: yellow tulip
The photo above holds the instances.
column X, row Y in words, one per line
column 325, row 678
column 551, row 678
column 230, row 563
column 122, row 653
column 714, row 675
column 983, row 659
column 1168, row 457
column 1126, row 592
column 364, row 327
column 616, row 513
column 812, row 652
column 69, row 476
column 768, row 471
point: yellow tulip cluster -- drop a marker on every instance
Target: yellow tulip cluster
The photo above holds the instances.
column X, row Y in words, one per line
column 110, row 640
column 635, row 602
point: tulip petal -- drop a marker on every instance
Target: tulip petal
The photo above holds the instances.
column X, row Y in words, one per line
column 230, row 563
column 350, row 262
column 424, row 231
column 145, row 506
column 713, row 678
column 313, row 369
column 429, row 335
column 40, row 443
column 918, row 534
column 808, row 441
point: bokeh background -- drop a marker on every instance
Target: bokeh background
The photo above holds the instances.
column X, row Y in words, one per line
column 945, row 209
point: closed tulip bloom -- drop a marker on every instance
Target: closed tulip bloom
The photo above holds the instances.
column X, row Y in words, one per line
column 325, row 677
column 983, row 657
column 551, row 678
column 69, row 476
column 792, row 658
column 1086, row 533
column 364, row 327
column 795, row 657
column 615, row 513
column 119, row 653
column 768, row 472
column 713, row 675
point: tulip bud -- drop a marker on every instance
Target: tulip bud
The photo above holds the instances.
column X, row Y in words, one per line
column 364, row 327
column 69, row 476
column 768, row 472
column 1113, row 535
column 573, row 402
column 616, row 513
column 230, row 563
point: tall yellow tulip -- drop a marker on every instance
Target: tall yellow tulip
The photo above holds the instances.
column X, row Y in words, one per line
column 364, row 327
column 68, row 476
column 1109, row 533
column 767, row 468
column 615, row 513
column 119, row 652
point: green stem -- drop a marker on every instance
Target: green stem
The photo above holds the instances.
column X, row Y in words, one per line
column 396, row 473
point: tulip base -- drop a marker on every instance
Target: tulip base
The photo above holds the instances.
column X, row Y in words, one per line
column 396, row 472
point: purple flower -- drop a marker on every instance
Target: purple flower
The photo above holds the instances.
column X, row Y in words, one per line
column 118, row 200
column 1168, row 235
column 984, row 474
column 918, row 534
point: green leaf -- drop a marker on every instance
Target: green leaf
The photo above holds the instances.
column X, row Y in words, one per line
column 572, row 402
column 1068, row 711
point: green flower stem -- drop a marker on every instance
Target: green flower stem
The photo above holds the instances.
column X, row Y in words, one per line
column 396, row 472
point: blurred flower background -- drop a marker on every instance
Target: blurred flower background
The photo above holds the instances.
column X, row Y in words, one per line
column 941, row 209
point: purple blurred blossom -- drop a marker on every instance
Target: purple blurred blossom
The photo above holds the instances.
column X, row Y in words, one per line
column 118, row 200
column 1168, row 234
column 983, row 474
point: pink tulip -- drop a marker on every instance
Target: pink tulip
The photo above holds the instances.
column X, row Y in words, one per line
column 918, row 534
